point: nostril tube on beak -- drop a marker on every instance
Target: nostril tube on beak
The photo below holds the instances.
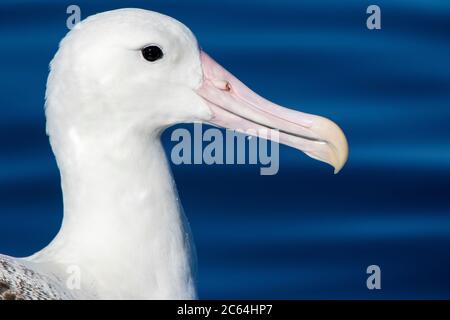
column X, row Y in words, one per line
column 221, row 85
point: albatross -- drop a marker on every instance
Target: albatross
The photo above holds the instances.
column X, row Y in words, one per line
column 117, row 81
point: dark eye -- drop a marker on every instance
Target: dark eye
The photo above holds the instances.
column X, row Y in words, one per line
column 152, row 53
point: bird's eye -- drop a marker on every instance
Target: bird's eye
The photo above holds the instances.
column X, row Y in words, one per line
column 152, row 53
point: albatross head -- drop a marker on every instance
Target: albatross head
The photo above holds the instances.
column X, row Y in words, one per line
column 136, row 70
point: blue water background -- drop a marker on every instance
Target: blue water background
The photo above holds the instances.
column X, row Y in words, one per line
column 303, row 233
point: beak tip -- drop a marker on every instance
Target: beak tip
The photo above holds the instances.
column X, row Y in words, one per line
column 341, row 154
column 342, row 161
column 341, row 150
column 338, row 168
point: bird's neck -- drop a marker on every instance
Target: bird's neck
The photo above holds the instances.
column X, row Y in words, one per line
column 123, row 227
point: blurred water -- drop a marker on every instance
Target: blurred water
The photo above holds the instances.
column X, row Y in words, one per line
column 303, row 233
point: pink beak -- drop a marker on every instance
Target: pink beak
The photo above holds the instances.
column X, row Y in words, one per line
column 235, row 106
